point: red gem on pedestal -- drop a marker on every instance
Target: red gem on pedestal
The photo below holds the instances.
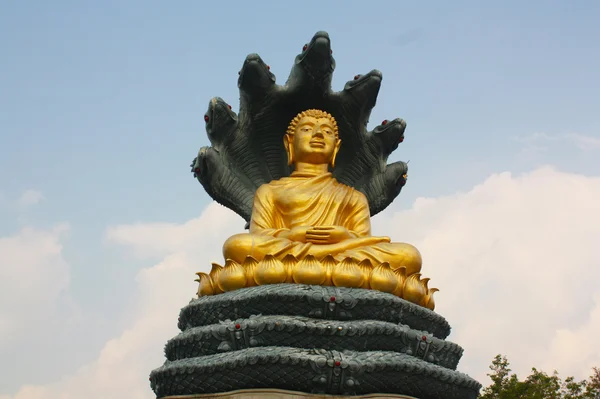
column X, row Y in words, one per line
column 385, row 121
column 237, row 326
column 332, row 299
column 337, row 363
column 424, row 338
column 205, row 118
column 305, row 47
column 356, row 77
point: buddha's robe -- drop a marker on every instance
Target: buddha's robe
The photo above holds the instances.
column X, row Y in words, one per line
column 301, row 200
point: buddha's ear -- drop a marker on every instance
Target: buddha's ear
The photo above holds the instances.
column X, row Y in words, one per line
column 338, row 143
column 288, row 143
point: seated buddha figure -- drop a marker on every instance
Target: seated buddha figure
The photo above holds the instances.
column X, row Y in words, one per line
column 310, row 212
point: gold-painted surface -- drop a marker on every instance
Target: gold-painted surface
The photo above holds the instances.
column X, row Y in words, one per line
column 328, row 263
column 214, row 276
column 205, row 286
column 270, row 271
column 289, row 261
column 347, row 274
column 414, row 289
column 250, row 268
column 401, row 276
column 232, row 277
column 366, row 267
column 429, row 301
column 383, row 278
column 310, row 270
column 299, row 220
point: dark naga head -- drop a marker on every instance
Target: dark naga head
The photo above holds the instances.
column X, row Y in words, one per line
column 247, row 148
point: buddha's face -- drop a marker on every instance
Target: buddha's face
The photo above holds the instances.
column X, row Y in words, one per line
column 314, row 141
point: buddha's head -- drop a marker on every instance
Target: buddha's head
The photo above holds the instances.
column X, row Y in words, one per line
column 312, row 137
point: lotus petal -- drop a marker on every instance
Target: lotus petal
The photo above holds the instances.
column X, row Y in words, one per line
column 383, row 278
column 347, row 274
column 309, row 271
column 270, row 271
column 232, row 277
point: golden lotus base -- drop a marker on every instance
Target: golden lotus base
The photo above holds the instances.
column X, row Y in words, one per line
column 280, row 393
column 349, row 273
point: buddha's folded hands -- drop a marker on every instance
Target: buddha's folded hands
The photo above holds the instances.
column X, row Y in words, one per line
column 328, row 234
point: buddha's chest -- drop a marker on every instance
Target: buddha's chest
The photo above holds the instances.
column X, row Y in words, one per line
column 290, row 200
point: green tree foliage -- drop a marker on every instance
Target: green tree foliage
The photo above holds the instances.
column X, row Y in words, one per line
column 538, row 385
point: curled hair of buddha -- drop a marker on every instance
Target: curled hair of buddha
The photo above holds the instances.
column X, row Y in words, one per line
column 313, row 113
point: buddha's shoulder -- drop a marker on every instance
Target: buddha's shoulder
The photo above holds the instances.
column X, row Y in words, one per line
column 264, row 189
column 273, row 186
column 358, row 196
column 328, row 180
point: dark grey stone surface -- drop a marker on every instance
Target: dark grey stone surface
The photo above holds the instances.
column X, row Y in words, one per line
column 312, row 301
column 314, row 339
column 314, row 371
column 308, row 333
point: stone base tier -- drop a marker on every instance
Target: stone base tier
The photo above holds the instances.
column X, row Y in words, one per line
column 315, row 301
column 282, row 394
column 308, row 333
column 311, row 340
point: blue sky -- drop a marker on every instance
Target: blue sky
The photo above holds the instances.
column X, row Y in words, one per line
column 102, row 104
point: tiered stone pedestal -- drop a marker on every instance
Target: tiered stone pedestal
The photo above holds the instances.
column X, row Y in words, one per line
column 313, row 339
column 281, row 394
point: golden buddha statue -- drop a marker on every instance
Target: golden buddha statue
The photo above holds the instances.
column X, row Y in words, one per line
column 310, row 229
column 310, row 212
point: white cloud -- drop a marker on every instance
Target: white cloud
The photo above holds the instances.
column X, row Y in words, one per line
column 585, row 142
column 515, row 259
column 539, row 143
column 30, row 197
column 149, row 240
column 579, row 339
column 124, row 364
column 33, row 275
